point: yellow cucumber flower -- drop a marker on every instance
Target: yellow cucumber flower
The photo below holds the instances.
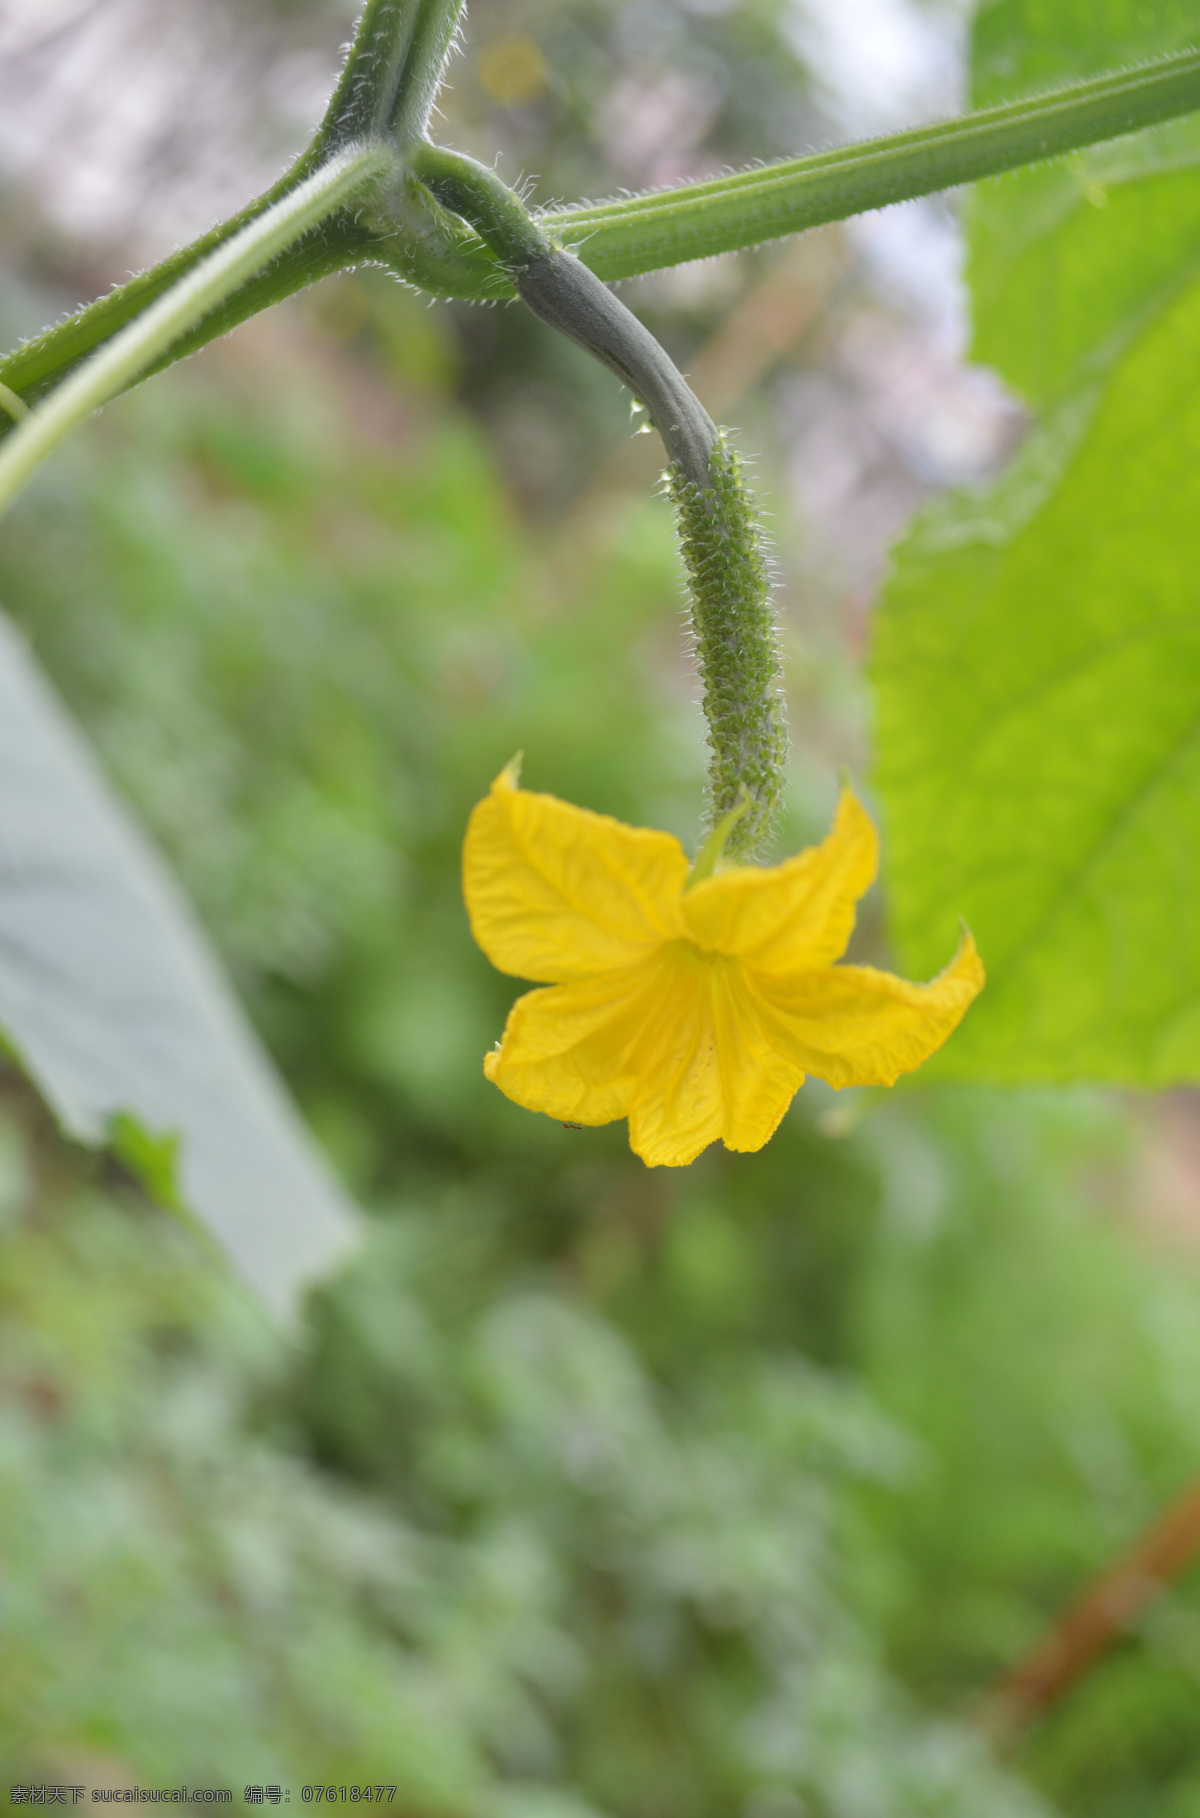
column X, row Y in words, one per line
column 696, row 1013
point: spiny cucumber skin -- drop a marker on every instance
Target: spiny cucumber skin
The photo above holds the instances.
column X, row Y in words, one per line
column 737, row 646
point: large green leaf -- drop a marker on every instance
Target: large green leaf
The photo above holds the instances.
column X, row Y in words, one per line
column 1038, row 653
column 112, row 1004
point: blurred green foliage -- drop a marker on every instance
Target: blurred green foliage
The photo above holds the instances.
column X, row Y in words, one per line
column 719, row 1493
column 590, row 1488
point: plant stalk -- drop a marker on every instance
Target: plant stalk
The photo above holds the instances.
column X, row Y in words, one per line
column 563, row 293
column 392, row 73
column 635, row 234
column 733, row 621
column 127, row 356
column 641, row 233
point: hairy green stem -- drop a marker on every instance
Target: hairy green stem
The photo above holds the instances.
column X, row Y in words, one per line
column 641, row 233
column 565, row 294
column 561, row 290
column 127, row 355
column 737, row 653
column 36, row 367
column 483, row 198
column 387, row 87
column 634, row 234
column 720, row 540
column 392, row 73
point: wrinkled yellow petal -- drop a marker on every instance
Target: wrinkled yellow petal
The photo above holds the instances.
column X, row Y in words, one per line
column 574, row 1050
column 853, row 1026
column 678, row 1043
column 706, row 1069
column 556, row 892
column 794, row 916
column 636, row 1043
column 678, row 1105
column 759, row 1080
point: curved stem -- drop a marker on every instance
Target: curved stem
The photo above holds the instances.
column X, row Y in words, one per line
column 737, row 644
column 561, row 290
column 128, row 354
column 565, row 294
column 481, row 197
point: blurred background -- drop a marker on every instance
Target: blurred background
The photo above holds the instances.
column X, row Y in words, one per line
column 586, row 1491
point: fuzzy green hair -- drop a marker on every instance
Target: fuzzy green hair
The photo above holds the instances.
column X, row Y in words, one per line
column 737, row 645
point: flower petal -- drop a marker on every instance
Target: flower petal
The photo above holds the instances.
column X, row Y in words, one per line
column 556, row 892
column 680, row 1043
column 853, row 1026
column 759, row 1079
column 574, row 1051
column 708, row 1069
column 794, row 916
column 678, row 1104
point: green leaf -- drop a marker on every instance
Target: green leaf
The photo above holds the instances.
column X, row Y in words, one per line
column 1067, row 258
column 113, row 1005
column 1038, row 654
